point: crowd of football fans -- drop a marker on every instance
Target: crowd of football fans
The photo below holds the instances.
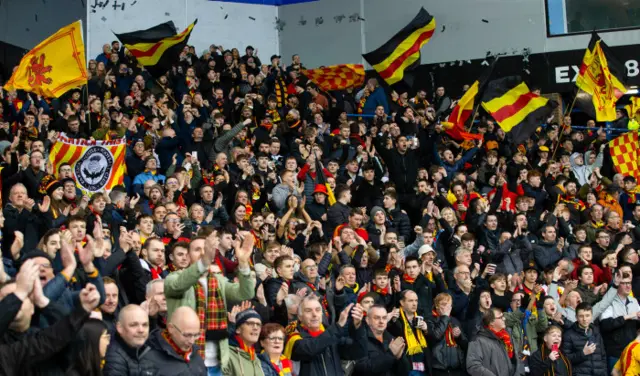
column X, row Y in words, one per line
column 266, row 227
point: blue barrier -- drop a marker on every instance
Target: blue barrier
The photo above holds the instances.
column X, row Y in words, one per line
column 607, row 129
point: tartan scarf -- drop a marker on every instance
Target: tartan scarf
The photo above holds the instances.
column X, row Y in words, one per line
column 504, row 336
column 186, row 355
column 171, row 267
column 415, row 341
column 408, row 279
column 388, row 268
column 211, row 312
column 324, row 302
column 448, row 334
column 244, row 347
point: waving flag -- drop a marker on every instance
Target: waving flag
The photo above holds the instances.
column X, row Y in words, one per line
column 624, row 154
column 516, row 109
column 336, row 77
column 54, row 66
column 97, row 165
column 602, row 77
column 403, row 49
column 156, row 48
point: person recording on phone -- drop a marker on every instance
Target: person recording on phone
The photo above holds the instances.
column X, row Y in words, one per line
column 549, row 359
column 413, row 329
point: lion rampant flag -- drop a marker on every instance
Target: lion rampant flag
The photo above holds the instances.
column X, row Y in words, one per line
column 54, row 66
column 97, row 165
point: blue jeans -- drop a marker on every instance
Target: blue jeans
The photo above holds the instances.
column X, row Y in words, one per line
column 214, row 371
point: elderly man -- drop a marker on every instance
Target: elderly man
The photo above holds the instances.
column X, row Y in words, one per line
column 20, row 216
column 173, row 350
column 320, row 348
column 204, row 289
column 491, row 352
column 128, row 354
column 385, row 353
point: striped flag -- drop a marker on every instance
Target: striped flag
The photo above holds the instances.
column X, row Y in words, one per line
column 624, row 154
column 97, row 165
column 460, row 114
column 156, row 48
column 601, row 77
column 322, row 180
column 336, row 77
column 403, row 49
column 515, row 108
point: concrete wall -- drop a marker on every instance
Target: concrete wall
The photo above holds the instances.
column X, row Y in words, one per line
column 227, row 24
column 511, row 26
column 25, row 23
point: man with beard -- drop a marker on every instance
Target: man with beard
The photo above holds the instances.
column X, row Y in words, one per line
column 138, row 273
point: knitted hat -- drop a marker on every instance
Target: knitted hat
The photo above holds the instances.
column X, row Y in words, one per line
column 48, row 185
column 35, row 253
column 375, row 211
column 243, row 316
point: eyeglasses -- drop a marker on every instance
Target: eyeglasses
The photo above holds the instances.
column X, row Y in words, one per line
column 275, row 339
column 253, row 324
column 625, row 283
column 186, row 335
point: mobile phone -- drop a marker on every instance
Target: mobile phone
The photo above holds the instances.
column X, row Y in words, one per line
column 554, row 347
column 194, row 154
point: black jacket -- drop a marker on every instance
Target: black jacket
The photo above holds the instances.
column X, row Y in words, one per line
column 619, row 333
column 123, row 360
column 321, row 356
column 400, row 221
column 23, row 357
column 541, row 365
column 445, row 357
column 338, row 214
column 421, row 287
column 573, row 342
column 379, row 360
column 168, row 362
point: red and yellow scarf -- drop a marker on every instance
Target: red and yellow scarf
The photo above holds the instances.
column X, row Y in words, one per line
column 186, row 355
column 448, row 334
column 504, row 336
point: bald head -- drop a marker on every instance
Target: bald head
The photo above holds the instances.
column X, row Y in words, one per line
column 133, row 325
column 184, row 327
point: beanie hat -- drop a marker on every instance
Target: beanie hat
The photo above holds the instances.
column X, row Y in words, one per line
column 48, row 185
column 375, row 211
column 243, row 316
column 35, row 253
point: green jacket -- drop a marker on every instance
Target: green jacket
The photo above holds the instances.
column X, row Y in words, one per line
column 240, row 363
column 179, row 291
column 535, row 325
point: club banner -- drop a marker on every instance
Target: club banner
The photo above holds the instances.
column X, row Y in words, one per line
column 98, row 166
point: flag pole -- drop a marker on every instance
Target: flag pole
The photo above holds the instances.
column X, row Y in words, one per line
column 569, row 109
column 473, row 116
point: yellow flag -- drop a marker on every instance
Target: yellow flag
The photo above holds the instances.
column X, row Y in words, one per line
column 54, row 66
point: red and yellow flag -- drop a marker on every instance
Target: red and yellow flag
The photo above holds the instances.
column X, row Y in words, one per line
column 624, row 154
column 97, row 165
column 601, row 76
column 150, row 53
column 455, row 126
column 403, row 49
column 336, row 77
column 54, row 66
column 515, row 108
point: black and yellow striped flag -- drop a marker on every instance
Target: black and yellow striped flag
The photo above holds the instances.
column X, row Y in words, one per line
column 157, row 48
column 515, row 108
column 403, row 49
